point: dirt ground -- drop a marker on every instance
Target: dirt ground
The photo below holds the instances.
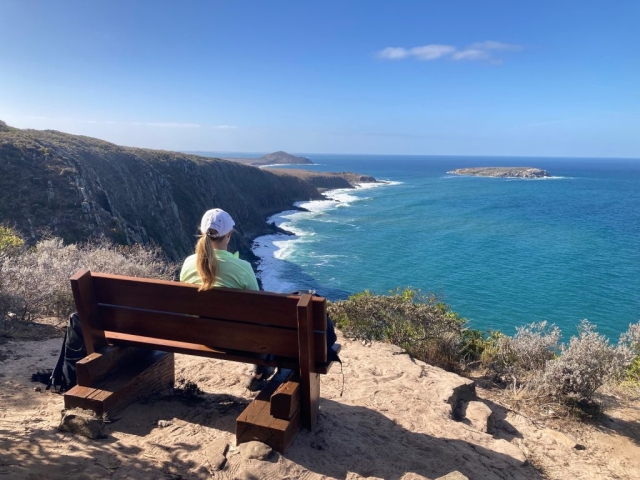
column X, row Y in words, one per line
column 392, row 421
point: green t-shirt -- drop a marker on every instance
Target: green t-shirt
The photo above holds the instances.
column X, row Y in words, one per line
column 232, row 273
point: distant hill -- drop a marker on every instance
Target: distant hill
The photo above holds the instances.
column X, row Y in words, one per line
column 275, row 158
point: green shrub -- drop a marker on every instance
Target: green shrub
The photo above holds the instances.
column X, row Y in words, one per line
column 631, row 339
column 478, row 346
column 424, row 326
column 10, row 241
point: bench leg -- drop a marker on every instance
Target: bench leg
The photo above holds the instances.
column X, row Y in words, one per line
column 310, row 399
column 257, row 423
column 151, row 374
column 101, row 365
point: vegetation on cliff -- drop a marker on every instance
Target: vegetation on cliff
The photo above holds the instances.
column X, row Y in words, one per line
column 532, row 361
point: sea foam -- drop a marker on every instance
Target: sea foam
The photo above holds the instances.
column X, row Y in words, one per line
column 275, row 250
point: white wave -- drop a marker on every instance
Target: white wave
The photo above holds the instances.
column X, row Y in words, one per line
column 379, row 183
column 509, row 179
column 273, row 249
column 538, row 178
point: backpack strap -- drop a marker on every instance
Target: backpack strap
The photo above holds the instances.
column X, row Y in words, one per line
column 56, row 377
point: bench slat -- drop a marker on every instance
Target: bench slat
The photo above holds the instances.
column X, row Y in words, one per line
column 204, row 331
column 223, row 303
column 223, row 334
column 126, row 340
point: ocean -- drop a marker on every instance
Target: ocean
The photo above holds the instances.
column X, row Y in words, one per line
column 501, row 252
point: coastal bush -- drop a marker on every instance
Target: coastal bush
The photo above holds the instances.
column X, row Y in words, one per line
column 585, row 364
column 522, row 358
column 531, row 361
column 35, row 283
column 11, row 243
column 421, row 324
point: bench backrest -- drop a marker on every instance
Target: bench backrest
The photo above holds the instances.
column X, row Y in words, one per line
column 228, row 319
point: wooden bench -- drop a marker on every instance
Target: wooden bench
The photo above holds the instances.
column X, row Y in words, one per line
column 133, row 326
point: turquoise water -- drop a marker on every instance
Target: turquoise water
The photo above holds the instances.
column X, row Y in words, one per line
column 501, row 252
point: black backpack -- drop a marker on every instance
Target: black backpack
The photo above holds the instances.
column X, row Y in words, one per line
column 73, row 349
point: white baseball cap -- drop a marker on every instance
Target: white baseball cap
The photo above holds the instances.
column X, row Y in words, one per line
column 217, row 219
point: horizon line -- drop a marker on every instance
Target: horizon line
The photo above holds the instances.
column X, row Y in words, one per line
column 192, row 152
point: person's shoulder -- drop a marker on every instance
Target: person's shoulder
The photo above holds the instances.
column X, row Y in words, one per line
column 242, row 263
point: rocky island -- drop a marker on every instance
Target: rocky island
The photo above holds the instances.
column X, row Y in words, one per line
column 502, row 172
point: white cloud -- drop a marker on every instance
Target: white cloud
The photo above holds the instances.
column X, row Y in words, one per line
column 223, row 127
column 471, row 54
column 431, row 52
column 476, row 51
column 393, row 53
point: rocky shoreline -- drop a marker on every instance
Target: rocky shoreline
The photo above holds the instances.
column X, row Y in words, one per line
column 502, row 172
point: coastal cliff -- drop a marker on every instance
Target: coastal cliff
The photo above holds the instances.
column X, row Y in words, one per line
column 77, row 187
column 502, row 172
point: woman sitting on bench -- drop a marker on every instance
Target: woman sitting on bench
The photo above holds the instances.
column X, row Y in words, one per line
column 213, row 266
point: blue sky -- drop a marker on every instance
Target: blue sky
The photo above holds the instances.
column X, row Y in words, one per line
column 540, row 78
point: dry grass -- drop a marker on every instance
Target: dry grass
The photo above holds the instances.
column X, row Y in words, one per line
column 34, row 283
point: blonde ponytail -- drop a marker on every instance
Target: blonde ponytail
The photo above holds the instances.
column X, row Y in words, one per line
column 206, row 262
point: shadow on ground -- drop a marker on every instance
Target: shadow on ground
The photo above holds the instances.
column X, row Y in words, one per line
column 377, row 446
column 347, row 439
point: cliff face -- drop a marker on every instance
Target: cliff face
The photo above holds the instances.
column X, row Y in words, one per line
column 79, row 187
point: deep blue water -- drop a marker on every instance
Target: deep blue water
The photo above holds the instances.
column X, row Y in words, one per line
column 501, row 252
